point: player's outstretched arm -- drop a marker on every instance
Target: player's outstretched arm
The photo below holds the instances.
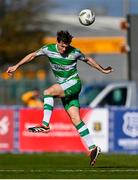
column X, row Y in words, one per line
column 26, row 59
column 91, row 62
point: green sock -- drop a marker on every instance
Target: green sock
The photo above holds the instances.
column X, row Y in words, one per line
column 85, row 135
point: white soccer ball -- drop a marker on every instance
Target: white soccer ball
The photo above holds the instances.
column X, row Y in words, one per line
column 86, row 17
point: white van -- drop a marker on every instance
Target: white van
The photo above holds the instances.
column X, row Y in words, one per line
column 109, row 94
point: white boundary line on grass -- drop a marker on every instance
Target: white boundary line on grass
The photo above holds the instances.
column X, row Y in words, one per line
column 70, row 170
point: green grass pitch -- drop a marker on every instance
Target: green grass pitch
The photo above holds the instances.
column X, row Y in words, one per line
column 67, row 166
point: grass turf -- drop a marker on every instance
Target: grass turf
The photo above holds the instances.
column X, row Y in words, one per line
column 67, row 166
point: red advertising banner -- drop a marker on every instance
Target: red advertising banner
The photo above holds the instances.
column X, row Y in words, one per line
column 63, row 136
column 6, row 130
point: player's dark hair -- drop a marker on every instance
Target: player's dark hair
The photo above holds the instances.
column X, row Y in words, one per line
column 64, row 36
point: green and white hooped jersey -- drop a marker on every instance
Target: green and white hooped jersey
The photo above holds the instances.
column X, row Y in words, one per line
column 63, row 66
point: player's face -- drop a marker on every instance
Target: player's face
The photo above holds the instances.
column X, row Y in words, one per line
column 62, row 47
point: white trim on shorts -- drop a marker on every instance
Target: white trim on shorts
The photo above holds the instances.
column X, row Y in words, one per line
column 68, row 84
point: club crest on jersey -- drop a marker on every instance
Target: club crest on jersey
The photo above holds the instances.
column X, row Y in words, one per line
column 71, row 56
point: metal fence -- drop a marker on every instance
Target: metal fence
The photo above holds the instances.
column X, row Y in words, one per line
column 11, row 90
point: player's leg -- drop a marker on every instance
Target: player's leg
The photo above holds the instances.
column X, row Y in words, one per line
column 49, row 94
column 71, row 104
column 84, row 133
column 81, row 127
column 55, row 90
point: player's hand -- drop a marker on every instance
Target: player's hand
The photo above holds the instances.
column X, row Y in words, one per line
column 11, row 70
column 108, row 70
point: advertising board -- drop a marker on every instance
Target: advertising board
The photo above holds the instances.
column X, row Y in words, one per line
column 6, row 130
column 63, row 136
column 97, row 121
column 124, row 130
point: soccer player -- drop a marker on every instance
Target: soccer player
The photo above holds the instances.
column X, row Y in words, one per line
column 63, row 61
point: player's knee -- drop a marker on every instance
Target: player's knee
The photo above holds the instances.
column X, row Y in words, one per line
column 55, row 90
column 47, row 92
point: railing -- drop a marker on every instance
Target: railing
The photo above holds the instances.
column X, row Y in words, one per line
column 11, row 90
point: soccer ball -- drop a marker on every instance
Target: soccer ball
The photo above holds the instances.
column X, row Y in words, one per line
column 86, row 17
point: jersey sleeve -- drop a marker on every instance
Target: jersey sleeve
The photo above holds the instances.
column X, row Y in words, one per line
column 42, row 51
column 80, row 56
